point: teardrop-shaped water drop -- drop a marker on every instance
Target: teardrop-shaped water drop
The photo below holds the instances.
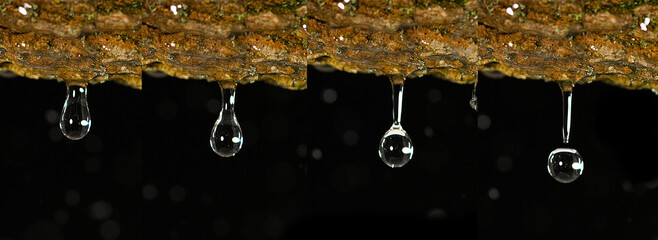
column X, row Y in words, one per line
column 474, row 98
column 565, row 164
column 75, row 121
column 226, row 137
column 395, row 147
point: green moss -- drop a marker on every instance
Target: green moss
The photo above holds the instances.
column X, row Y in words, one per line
column 578, row 17
column 407, row 11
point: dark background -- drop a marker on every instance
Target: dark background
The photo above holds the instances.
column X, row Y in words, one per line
column 309, row 166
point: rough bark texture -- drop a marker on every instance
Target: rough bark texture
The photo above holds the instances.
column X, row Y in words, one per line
column 564, row 40
column 408, row 38
column 226, row 40
column 96, row 41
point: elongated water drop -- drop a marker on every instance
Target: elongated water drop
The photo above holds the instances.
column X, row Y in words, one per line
column 395, row 147
column 226, row 137
column 565, row 164
column 567, row 89
column 474, row 98
column 75, row 121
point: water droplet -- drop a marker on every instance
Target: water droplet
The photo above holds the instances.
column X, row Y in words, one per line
column 395, row 147
column 75, row 121
column 474, row 99
column 565, row 164
column 226, row 137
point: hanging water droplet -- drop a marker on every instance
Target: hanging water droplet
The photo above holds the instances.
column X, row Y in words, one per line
column 226, row 137
column 474, row 99
column 395, row 147
column 75, row 121
column 565, row 164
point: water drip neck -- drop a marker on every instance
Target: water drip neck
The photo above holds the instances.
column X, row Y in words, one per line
column 398, row 89
column 567, row 94
column 228, row 95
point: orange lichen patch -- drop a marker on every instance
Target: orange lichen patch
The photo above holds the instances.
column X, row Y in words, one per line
column 404, row 38
column 571, row 41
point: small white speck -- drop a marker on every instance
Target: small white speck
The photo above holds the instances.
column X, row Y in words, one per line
column 423, row 41
column 347, row 1
column 173, row 44
column 27, row 5
column 341, row 38
column 593, row 48
column 647, row 21
column 179, row 6
column 174, row 9
column 341, row 6
column 510, row 11
column 257, row 49
column 23, row 44
column 643, row 26
column 304, row 26
column 515, row 6
column 22, row 10
column 510, row 44
column 633, row 39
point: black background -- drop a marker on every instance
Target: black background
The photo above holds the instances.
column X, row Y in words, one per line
column 309, row 166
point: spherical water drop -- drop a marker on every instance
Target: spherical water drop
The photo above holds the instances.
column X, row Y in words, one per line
column 75, row 121
column 565, row 165
column 395, row 148
column 226, row 137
